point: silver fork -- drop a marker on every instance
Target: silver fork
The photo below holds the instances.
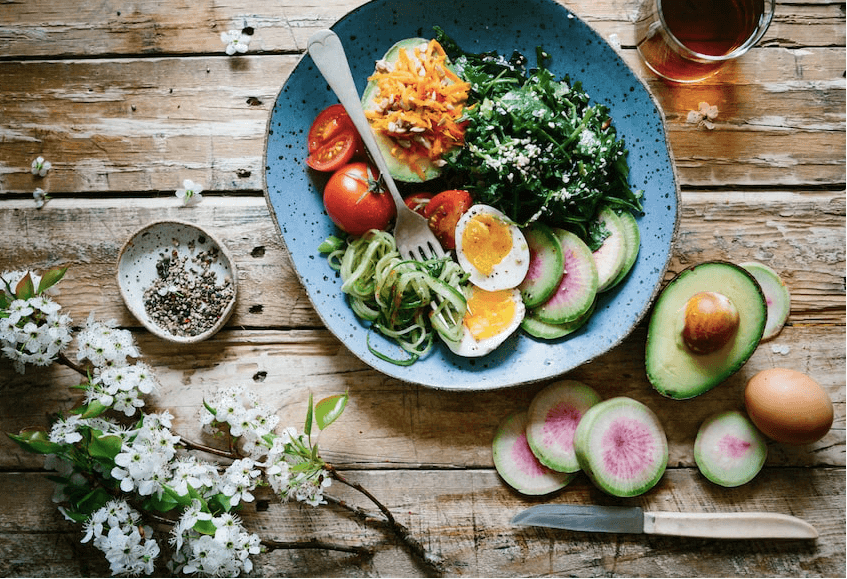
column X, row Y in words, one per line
column 412, row 234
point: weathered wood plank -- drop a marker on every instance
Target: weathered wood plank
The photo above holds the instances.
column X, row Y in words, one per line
column 110, row 27
column 801, row 235
column 465, row 523
column 159, row 121
column 391, row 423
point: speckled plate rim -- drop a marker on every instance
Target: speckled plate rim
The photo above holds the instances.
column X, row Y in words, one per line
column 492, row 374
column 227, row 262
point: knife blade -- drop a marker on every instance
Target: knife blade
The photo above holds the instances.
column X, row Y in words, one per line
column 595, row 518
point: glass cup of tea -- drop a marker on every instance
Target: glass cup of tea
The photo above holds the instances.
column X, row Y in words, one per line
column 689, row 40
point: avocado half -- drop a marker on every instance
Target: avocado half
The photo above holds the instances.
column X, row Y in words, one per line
column 672, row 367
column 398, row 169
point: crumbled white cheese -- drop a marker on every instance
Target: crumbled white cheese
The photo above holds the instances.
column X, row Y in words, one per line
column 783, row 349
column 704, row 115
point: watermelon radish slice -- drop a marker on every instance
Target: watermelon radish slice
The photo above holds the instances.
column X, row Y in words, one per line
column 578, row 286
column 516, row 464
column 609, row 257
column 546, row 265
column 729, row 450
column 621, row 446
column 632, row 235
column 777, row 297
column 533, row 326
column 553, row 416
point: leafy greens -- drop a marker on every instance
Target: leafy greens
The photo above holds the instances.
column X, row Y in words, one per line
column 535, row 147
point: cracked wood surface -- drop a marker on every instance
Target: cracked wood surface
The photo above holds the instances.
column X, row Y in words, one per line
column 127, row 99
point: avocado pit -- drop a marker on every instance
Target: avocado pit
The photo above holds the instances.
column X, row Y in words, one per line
column 711, row 322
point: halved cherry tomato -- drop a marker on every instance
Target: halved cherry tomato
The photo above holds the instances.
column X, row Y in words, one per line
column 354, row 202
column 333, row 140
column 417, row 202
column 443, row 212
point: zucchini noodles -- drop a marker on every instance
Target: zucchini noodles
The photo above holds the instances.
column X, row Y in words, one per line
column 405, row 300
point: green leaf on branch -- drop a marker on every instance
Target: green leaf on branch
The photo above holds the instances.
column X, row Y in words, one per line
column 107, row 447
column 205, row 527
column 329, row 409
column 75, row 516
column 93, row 501
column 36, row 441
column 220, row 503
column 167, row 502
column 307, row 429
column 51, row 278
column 25, row 289
column 92, row 410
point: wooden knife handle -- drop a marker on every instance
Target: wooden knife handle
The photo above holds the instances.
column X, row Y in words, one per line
column 728, row 525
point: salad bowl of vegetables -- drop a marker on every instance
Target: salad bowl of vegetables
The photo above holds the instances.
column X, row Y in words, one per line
column 561, row 144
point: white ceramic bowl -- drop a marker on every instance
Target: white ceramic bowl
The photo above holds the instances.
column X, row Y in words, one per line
column 139, row 262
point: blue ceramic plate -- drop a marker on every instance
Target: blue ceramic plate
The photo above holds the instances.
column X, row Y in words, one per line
column 294, row 192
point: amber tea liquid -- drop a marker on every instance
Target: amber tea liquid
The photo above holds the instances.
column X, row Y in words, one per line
column 706, row 27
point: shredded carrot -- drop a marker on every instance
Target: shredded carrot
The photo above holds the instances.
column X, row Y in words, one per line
column 419, row 104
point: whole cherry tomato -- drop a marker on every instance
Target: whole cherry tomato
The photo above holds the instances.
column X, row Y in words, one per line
column 354, row 201
column 333, row 140
column 443, row 212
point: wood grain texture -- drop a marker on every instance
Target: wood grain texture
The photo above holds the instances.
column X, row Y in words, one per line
column 160, row 120
column 771, row 227
column 111, row 27
column 470, row 532
column 127, row 99
column 390, row 423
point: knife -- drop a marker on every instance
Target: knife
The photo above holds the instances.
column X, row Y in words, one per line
column 635, row 520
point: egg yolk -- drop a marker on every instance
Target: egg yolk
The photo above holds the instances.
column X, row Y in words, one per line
column 489, row 313
column 486, row 240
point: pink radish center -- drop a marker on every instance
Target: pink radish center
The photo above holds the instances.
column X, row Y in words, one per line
column 560, row 424
column 627, row 449
column 733, row 446
column 522, row 456
column 536, row 269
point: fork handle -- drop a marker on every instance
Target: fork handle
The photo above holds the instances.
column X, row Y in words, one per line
column 328, row 55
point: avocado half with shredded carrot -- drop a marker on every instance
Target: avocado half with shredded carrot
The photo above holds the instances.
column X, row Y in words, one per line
column 414, row 102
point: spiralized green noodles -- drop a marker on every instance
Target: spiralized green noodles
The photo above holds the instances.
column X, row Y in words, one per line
column 404, row 300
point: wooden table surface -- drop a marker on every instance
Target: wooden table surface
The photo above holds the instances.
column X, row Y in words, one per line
column 127, row 99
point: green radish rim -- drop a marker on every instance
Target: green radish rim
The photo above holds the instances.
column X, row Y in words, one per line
column 777, row 297
column 729, row 450
column 621, row 446
column 552, row 418
column 546, row 265
column 537, row 328
column 632, row 235
column 578, row 287
column 609, row 257
column 517, row 465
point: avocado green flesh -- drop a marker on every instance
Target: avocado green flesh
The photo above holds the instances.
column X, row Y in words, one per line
column 398, row 169
column 672, row 368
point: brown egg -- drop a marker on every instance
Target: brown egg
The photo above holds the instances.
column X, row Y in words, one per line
column 788, row 406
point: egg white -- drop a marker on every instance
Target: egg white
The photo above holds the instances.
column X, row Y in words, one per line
column 470, row 347
column 511, row 270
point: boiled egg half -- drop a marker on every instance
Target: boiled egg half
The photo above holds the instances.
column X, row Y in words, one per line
column 491, row 317
column 491, row 249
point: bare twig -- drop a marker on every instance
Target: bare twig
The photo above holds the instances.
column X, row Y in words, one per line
column 432, row 562
column 64, row 360
column 191, row 445
column 316, row 544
